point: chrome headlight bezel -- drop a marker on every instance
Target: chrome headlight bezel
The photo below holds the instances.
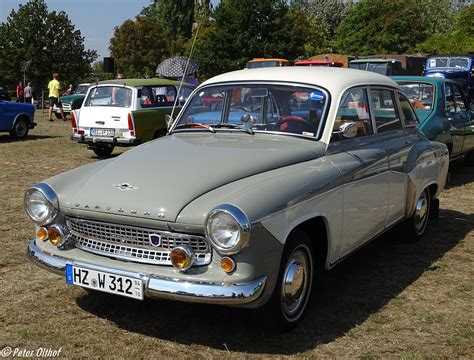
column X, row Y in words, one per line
column 50, row 201
column 240, row 219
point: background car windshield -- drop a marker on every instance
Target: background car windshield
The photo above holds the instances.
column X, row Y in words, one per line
column 259, row 64
column 117, row 96
column 421, row 95
column 377, row 68
column 458, row 62
column 81, row 90
column 266, row 108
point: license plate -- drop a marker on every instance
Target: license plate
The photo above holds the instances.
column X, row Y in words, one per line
column 104, row 281
column 102, row 132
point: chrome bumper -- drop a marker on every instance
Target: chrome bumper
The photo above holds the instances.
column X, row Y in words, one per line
column 83, row 139
column 163, row 288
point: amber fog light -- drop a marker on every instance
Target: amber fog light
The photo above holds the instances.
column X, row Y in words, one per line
column 227, row 264
column 42, row 234
column 182, row 257
column 56, row 235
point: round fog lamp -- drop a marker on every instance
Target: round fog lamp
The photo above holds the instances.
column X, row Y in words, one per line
column 42, row 234
column 56, row 235
column 182, row 257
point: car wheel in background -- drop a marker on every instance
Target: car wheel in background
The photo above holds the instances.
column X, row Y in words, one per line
column 58, row 116
column 295, row 279
column 20, row 129
column 103, row 150
column 414, row 228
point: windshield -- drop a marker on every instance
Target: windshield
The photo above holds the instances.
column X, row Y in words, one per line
column 117, row 96
column 455, row 62
column 421, row 95
column 256, row 108
column 259, row 64
column 379, row 68
column 81, row 90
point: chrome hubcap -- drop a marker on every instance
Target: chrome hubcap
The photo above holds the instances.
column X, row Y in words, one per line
column 421, row 212
column 295, row 286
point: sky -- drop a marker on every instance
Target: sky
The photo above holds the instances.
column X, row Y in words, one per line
column 96, row 19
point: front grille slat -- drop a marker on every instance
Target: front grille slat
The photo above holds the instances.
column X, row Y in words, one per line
column 132, row 243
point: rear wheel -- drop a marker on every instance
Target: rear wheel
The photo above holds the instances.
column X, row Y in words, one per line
column 103, row 150
column 295, row 279
column 20, row 129
column 414, row 228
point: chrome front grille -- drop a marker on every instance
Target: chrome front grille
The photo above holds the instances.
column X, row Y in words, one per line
column 132, row 243
column 67, row 107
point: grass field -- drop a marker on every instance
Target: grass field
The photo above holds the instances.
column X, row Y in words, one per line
column 390, row 299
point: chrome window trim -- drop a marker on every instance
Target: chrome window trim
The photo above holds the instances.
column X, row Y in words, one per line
column 386, row 88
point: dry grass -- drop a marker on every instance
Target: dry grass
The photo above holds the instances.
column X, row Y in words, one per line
column 389, row 300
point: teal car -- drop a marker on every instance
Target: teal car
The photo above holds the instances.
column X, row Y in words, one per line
column 444, row 112
column 73, row 101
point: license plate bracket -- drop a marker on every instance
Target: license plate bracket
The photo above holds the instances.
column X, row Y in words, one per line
column 102, row 132
column 104, row 281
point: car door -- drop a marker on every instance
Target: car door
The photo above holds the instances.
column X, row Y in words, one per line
column 396, row 127
column 464, row 113
column 459, row 117
column 7, row 115
column 364, row 168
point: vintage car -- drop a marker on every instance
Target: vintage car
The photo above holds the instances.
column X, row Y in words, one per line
column 319, row 63
column 444, row 112
column 126, row 112
column 72, row 101
column 456, row 68
column 17, row 118
column 386, row 67
column 243, row 201
column 266, row 62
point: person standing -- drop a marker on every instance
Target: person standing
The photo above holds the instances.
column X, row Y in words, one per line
column 53, row 87
column 20, row 92
column 28, row 93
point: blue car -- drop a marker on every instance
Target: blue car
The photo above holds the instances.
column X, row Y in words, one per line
column 16, row 118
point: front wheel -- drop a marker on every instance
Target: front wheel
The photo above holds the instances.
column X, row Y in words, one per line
column 103, row 150
column 58, row 115
column 293, row 289
column 414, row 227
column 20, row 129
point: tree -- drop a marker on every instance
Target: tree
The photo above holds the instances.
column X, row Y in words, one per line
column 138, row 46
column 458, row 41
column 175, row 16
column 380, row 26
column 48, row 39
column 437, row 15
column 244, row 29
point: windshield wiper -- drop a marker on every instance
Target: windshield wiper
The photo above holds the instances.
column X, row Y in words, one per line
column 248, row 130
column 184, row 126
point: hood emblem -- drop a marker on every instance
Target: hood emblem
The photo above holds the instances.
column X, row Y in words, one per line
column 154, row 239
column 125, row 186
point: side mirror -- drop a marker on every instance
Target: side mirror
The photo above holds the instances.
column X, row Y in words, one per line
column 349, row 130
column 169, row 121
column 181, row 100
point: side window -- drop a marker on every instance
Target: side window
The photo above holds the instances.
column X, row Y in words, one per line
column 165, row 95
column 147, row 99
column 459, row 99
column 407, row 113
column 450, row 107
column 353, row 108
column 385, row 111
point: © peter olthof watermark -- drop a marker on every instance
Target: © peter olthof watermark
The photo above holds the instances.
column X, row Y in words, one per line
column 41, row 352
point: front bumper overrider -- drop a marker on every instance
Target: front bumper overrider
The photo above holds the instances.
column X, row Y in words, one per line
column 161, row 287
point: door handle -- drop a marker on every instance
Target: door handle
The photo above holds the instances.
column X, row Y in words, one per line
column 100, row 122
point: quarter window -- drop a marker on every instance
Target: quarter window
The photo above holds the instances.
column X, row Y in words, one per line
column 408, row 114
column 385, row 112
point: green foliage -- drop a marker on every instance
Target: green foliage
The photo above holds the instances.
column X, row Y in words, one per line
column 175, row 16
column 138, row 46
column 379, row 26
column 437, row 15
column 458, row 41
column 48, row 39
column 244, row 29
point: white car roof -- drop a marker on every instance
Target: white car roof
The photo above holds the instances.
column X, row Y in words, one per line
column 335, row 80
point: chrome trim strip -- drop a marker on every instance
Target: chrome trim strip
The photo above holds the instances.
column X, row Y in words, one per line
column 162, row 287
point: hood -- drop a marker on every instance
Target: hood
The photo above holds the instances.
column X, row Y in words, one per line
column 158, row 179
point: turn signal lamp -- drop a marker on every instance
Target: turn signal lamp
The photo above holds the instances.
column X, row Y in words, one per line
column 227, row 264
column 182, row 257
column 42, row 234
column 57, row 234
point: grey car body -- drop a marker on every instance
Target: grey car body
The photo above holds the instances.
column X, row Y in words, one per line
column 327, row 172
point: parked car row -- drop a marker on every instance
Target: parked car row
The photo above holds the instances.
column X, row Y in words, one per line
column 266, row 177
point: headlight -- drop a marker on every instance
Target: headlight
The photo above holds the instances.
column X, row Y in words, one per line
column 41, row 204
column 228, row 228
